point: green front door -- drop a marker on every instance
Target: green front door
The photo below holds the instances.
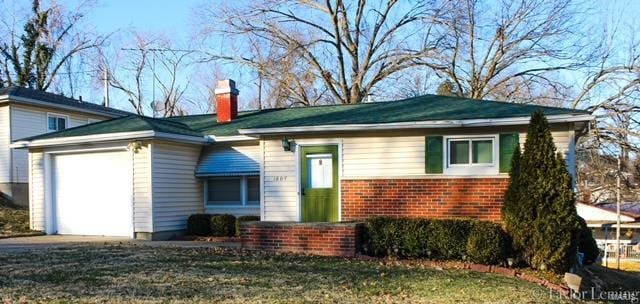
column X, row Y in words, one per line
column 319, row 183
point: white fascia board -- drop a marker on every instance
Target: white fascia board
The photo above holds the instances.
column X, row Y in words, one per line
column 417, row 125
column 29, row 101
column 81, row 139
column 214, row 138
column 75, row 140
column 181, row 138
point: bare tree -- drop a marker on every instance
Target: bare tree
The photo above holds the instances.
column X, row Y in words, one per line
column 152, row 65
column 508, row 49
column 344, row 47
column 611, row 91
column 36, row 56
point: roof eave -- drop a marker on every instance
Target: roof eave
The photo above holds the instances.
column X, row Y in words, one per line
column 30, row 101
column 109, row 137
column 434, row 124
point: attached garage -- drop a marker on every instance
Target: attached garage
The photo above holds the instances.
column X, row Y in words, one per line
column 91, row 193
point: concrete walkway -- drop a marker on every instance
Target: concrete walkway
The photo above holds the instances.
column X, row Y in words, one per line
column 66, row 241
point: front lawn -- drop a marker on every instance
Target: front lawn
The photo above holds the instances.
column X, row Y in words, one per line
column 127, row 273
column 13, row 220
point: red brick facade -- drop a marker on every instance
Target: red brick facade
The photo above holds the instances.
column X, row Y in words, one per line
column 329, row 239
column 479, row 198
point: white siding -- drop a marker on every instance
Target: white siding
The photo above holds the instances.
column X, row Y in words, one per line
column 5, row 140
column 31, row 121
column 177, row 193
column 37, row 191
column 24, row 123
column 405, row 155
column 383, row 156
column 225, row 159
column 280, row 194
column 142, row 208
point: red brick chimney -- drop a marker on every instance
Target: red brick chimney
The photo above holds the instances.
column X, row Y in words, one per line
column 227, row 100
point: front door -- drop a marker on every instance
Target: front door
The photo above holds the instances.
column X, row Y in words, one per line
column 319, row 183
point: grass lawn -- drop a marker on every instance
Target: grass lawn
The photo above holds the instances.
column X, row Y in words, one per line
column 127, row 273
column 13, row 220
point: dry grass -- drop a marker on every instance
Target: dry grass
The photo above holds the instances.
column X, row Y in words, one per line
column 13, row 220
column 626, row 265
column 125, row 273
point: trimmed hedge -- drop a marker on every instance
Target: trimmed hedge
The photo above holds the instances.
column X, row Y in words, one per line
column 487, row 244
column 245, row 218
column 450, row 239
column 223, row 225
column 199, row 224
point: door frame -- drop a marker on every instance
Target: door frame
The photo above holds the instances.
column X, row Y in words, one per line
column 299, row 143
column 49, row 183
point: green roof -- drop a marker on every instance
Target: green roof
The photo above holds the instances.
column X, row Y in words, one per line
column 423, row 108
column 131, row 123
column 56, row 100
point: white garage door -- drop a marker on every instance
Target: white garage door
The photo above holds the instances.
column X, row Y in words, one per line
column 92, row 193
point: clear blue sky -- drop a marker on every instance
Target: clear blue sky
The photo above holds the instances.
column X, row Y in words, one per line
column 156, row 16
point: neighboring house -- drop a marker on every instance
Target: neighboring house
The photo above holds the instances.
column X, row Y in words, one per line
column 602, row 219
column 141, row 177
column 24, row 113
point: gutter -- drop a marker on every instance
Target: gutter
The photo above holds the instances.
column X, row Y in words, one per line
column 76, row 140
column 29, row 101
column 416, row 125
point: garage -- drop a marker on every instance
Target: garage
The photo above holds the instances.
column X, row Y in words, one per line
column 92, row 193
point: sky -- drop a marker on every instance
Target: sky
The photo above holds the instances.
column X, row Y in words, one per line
column 162, row 16
column 177, row 20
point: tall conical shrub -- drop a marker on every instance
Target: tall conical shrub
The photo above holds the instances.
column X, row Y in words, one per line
column 539, row 210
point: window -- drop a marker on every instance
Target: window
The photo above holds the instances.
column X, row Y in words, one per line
column 320, row 170
column 224, row 191
column 470, row 155
column 233, row 191
column 56, row 123
column 253, row 191
column 470, row 152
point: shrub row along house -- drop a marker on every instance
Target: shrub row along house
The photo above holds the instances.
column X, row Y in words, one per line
column 429, row 156
column 25, row 113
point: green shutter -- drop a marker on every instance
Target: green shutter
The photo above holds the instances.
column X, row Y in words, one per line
column 508, row 144
column 434, row 154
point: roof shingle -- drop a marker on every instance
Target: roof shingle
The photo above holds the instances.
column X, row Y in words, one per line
column 55, row 99
column 423, row 108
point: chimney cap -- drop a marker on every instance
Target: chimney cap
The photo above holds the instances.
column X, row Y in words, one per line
column 226, row 86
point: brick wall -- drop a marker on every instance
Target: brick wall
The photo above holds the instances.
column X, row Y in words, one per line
column 328, row 239
column 479, row 198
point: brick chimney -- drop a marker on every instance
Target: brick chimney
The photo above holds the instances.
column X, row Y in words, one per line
column 226, row 100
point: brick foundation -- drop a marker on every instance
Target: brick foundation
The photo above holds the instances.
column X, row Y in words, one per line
column 479, row 198
column 328, row 239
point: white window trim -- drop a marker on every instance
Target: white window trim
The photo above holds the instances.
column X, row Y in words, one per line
column 244, row 193
column 56, row 115
column 470, row 169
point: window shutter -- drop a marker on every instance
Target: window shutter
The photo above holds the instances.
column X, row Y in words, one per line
column 508, row 144
column 434, row 154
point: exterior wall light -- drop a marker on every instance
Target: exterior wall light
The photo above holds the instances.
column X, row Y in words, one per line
column 287, row 143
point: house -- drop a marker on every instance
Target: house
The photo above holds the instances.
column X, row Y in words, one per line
column 602, row 219
column 426, row 156
column 24, row 113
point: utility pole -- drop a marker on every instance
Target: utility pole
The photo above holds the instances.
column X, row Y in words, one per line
column 106, row 87
column 618, row 215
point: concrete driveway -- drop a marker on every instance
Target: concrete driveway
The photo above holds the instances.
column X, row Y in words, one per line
column 55, row 241
column 66, row 241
